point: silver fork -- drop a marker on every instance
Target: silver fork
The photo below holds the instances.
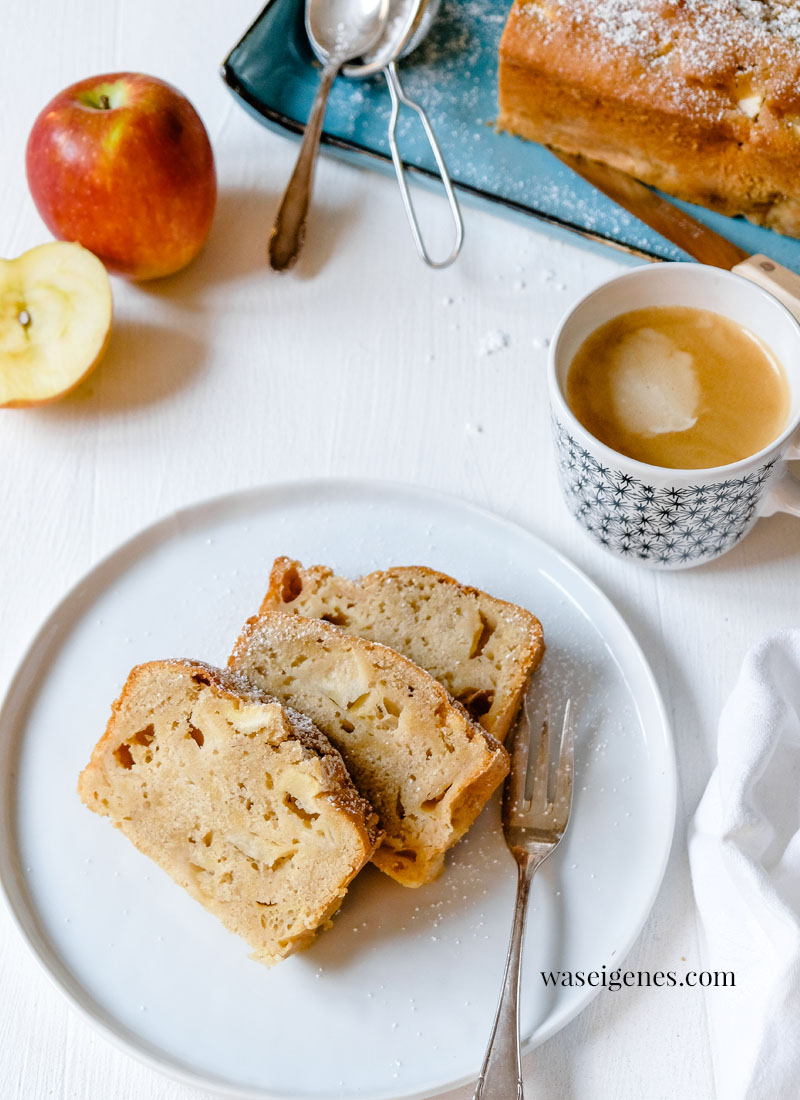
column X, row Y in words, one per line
column 533, row 827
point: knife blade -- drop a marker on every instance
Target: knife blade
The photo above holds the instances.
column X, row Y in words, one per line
column 700, row 242
column 670, row 221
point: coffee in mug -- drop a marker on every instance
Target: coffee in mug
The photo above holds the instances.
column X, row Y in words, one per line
column 678, row 387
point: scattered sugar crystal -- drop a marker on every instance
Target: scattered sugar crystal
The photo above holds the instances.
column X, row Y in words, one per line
column 493, row 341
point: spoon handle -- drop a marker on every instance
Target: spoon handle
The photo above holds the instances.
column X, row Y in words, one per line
column 399, row 98
column 289, row 230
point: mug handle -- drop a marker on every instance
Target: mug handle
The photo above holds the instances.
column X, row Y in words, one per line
column 784, row 493
column 782, row 283
column 779, row 281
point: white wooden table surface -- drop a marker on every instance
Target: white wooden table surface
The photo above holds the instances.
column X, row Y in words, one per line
column 363, row 363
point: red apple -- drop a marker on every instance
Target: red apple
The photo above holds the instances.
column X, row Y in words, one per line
column 122, row 164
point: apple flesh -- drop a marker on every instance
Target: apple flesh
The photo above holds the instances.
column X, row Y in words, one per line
column 122, row 164
column 55, row 320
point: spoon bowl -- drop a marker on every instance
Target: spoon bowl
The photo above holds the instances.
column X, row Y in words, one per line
column 345, row 29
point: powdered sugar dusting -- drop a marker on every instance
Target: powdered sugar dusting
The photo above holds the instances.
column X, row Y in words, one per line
column 699, row 53
column 637, row 23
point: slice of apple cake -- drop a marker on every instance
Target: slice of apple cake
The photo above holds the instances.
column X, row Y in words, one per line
column 483, row 650
column 241, row 800
column 422, row 762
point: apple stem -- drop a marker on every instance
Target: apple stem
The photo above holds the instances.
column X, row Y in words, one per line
column 24, row 318
column 105, row 102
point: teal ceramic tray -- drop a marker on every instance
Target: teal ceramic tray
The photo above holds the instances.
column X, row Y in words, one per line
column 453, row 74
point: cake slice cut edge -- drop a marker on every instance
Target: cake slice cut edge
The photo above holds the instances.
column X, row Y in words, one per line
column 242, row 801
column 421, row 761
column 483, row 650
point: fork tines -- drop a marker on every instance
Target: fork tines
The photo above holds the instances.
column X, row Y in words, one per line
column 529, row 800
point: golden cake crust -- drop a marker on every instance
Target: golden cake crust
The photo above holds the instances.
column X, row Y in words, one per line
column 700, row 99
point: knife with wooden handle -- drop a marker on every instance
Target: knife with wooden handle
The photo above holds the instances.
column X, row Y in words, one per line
column 686, row 232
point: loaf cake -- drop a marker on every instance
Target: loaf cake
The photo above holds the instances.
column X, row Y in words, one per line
column 242, row 801
column 481, row 649
column 699, row 97
column 418, row 757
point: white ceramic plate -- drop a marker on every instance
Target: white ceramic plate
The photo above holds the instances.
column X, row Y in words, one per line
column 397, row 999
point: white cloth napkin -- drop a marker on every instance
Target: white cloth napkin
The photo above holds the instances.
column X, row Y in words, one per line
column 744, row 851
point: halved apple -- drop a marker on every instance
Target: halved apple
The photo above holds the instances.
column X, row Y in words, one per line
column 55, row 320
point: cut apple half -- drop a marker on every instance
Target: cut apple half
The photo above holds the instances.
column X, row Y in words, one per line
column 55, row 320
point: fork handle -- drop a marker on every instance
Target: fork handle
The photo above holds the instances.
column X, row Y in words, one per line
column 501, row 1073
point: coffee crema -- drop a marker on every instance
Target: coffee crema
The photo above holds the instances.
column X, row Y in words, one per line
column 678, row 387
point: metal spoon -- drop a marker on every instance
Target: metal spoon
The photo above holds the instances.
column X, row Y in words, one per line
column 408, row 24
column 338, row 30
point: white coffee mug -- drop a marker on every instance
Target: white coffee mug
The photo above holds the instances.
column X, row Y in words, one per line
column 673, row 519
